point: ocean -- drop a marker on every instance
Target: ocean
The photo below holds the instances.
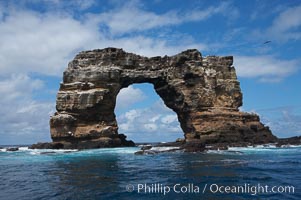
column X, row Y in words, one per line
column 117, row 173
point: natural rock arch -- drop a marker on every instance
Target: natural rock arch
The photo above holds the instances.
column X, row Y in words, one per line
column 203, row 91
column 142, row 115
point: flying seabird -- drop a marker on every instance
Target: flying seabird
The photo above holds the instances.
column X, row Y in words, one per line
column 266, row 42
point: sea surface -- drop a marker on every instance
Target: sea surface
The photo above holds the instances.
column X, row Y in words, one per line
column 117, row 173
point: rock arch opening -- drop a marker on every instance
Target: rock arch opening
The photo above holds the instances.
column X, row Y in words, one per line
column 142, row 116
column 203, row 91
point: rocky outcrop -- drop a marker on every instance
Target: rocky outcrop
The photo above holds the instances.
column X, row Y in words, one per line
column 12, row 149
column 203, row 91
column 289, row 141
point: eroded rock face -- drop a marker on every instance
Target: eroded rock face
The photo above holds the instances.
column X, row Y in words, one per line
column 203, row 91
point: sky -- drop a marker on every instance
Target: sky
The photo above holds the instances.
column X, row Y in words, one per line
column 39, row 37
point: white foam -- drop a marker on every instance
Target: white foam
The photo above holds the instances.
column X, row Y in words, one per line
column 34, row 153
column 263, row 148
column 266, row 146
column 23, row 149
column 164, row 148
column 214, row 151
column 144, row 145
column 231, row 152
column 290, row 146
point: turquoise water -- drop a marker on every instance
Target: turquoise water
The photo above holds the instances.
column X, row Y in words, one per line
column 109, row 173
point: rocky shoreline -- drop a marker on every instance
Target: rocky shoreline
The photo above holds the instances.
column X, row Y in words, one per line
column 119, row 141
column 179, row 145
column 201, row 147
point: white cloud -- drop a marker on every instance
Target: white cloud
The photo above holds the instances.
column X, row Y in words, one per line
column 168, row 119
column 131, row 18
column 132, row 114
column 43, row 43
column 18, row 86
column 151, row 46
column 150, row 127
column 156, row 123
column 285, row 26
column 265, row 68
column 155, row 118
column 129, row 96
column 283, row 121
column 22, row 116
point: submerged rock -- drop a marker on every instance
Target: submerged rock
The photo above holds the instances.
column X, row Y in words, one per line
column 48, row 152
column 83, row 144
column 194, row 147
column 146, row 147
column 47, row 145
column 146, row 152
column 12, row 149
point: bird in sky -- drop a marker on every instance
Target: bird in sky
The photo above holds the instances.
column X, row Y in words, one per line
column 266, row 42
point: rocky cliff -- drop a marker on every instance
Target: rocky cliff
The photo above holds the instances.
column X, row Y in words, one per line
column 203, row 91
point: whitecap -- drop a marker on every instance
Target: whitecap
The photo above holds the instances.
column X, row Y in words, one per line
column 227, row 152
column 290, row 146
column 34, row 153
column 23, row 149
column 164, row 148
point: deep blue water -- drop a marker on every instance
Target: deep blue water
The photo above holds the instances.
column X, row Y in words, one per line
column 107, row 173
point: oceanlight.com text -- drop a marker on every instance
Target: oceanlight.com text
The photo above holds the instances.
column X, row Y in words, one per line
column 250, row 189
column 191, row 188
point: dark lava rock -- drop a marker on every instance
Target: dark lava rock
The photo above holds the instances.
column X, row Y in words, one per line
column 194, row 147
column 170, row 144
column 146, row 147
column 289, row 141
column 47, row 145
column 146, row 152
column 71, row 143
column 48, row 152
column 12, row 149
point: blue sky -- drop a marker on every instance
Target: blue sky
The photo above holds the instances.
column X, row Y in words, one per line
column 39, row 38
